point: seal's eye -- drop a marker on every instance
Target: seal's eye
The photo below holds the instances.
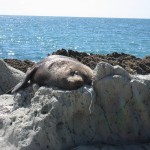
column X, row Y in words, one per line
column 72, row 73
column 76, row 73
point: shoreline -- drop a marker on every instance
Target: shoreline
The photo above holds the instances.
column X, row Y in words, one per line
column 129, row 62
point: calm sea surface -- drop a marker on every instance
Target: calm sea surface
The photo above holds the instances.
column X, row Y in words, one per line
column 33, row 38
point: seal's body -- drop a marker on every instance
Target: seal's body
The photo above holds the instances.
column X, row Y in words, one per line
column 57, row 71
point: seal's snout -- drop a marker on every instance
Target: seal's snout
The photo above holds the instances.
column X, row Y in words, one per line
column 75, row 79
column 87, row 79
column 89, row 82
column 74, row 82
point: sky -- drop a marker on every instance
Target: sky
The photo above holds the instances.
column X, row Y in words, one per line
column 77, row 8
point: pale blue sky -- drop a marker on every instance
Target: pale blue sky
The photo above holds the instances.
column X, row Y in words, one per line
column 86, row 8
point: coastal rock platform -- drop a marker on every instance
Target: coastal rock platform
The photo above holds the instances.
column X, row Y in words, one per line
column 113, row 114
column 130, row 63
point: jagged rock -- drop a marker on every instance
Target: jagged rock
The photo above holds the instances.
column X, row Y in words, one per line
column 86, row 147
column 102, row 70
column 130, row 63
column 110, row 147
column 9, row 77
column 52, row 120
column 22, row 65
column 114, row 114
column 124, row 100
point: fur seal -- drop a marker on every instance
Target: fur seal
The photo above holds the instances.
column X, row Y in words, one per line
column 57, row 71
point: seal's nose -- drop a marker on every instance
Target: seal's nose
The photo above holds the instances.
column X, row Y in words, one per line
column 87, row 79
column 89, row 82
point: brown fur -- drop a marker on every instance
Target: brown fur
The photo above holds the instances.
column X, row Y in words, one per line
column 57, row 71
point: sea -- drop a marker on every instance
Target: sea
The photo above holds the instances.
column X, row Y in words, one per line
column 34, row 37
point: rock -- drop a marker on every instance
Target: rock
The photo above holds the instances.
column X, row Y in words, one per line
column 109, row 147
column 129, row 62
column 9, row 77
column 102, row 70
column 21, row 65
column 6, row 104
column 124, row 100
column 114, row 114
column 71, row 53
column 6, row 107
column 86, row 147
column 51, row 121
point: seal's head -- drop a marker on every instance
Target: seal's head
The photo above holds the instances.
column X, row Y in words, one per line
column 77, row 76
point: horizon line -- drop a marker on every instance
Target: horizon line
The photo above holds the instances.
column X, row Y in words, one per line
column 26, row 15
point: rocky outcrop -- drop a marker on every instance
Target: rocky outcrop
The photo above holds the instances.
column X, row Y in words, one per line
column 131, row 63
column 124, row 100
column 9, row 77
column 113, row 114
column 21, row 65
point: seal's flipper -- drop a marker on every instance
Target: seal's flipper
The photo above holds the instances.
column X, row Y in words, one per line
column 19, row 86
column 23, row 84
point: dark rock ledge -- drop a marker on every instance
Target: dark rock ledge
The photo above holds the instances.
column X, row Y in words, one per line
column 129, row 62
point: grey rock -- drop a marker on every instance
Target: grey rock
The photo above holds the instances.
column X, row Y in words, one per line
column 102, row 70
column 86, row 147
column 9, row 77
column 124, row 100
column 115, row 112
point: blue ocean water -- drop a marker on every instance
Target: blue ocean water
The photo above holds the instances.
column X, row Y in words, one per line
column 27, row 37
